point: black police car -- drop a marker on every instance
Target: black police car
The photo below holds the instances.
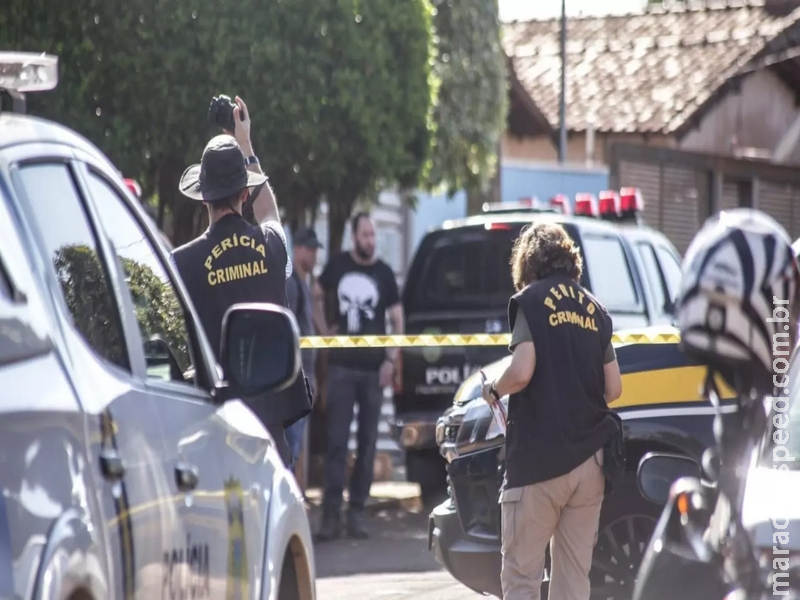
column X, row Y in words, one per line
column 460, row 282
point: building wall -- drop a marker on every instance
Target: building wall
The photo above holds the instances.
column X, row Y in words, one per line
column 541, row 148
column 521, row 179
column 757, row 116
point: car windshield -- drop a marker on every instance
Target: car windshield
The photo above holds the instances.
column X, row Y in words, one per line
column 465, row 268
column 783, row 444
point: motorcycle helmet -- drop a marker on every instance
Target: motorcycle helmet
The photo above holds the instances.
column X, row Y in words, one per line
column 737, row 309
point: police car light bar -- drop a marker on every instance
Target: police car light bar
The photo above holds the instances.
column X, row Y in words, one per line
column 585, row 205
column 631, row 200
column 28, row 72
column 560, row 203
column 609, row 205
column 531, row 203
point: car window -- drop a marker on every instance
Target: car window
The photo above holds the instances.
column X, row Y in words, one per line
column 671, row 267
column 464, row 268
column 72, row 246
column 609, row 273
column 161, row 318
column 653, row 275
column 23, row 321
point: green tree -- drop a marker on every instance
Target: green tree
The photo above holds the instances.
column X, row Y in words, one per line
column 85, row 289
column 340, row 92
column 133, row 79
column 472, row 98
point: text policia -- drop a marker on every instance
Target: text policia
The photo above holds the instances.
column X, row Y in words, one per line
column 781, row 349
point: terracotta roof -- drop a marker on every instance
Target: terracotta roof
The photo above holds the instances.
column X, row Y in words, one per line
column 647, row 72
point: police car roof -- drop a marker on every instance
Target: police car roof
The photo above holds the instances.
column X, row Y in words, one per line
column 16, row 129
column 523, row 217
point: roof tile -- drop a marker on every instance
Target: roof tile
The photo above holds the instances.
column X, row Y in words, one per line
column 645, row 72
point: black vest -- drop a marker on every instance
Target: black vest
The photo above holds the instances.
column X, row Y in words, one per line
column 233, row 262
column 560, row 418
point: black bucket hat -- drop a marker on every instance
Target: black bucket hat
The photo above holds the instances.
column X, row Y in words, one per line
column 221, row 172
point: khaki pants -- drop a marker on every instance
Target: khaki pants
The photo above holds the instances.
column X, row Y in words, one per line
column 566, row 509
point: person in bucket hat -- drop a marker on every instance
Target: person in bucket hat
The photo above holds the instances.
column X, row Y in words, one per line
column 235, row 261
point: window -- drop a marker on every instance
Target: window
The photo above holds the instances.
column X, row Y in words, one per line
column 72, row 246
column 161, row 319
column 653, row 275
column 468, row 268
column 671, row 267
column 23, row 321
column 610, row 274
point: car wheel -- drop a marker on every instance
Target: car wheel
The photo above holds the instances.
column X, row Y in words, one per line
column 627, row 521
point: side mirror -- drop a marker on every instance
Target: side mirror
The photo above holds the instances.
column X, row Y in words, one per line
column 160, row 361
column 260, row 349
column 657, row 472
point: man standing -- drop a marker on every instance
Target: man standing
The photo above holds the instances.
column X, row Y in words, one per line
column 234, row 261
column 363, row 290
column 308, row 315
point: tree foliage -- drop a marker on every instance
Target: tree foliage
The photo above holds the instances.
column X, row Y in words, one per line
column 86, row 292
column 471, row 104
column 346, row 96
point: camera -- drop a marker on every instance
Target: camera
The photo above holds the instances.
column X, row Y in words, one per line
column 220, row 113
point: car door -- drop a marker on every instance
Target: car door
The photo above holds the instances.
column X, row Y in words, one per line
column 212, row 489
column 121, row 420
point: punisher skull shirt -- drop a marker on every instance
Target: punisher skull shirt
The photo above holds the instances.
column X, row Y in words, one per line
column 363, row 294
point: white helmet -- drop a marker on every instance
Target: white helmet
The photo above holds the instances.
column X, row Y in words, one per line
column 738, row 306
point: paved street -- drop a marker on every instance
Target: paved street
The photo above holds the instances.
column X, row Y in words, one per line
column 393, row 564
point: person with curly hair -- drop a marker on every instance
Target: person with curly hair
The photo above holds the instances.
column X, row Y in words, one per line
column 562, row 375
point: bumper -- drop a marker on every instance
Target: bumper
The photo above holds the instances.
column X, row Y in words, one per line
column 473, row 563
column 415, row 431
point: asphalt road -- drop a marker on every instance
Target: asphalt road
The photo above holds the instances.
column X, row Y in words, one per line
column 394, row 564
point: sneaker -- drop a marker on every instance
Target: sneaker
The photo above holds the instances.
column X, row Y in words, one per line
column 355, row 525
column 329, row 530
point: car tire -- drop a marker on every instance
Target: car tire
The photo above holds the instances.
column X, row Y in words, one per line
column 627, row 521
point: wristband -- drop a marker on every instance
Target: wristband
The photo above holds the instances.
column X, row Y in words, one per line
column 251, row 160
column 493, row 392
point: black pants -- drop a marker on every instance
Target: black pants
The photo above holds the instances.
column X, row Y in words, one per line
column 346, row 388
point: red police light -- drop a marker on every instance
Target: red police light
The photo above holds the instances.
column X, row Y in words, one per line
column 134, row 187
column 586, row 205
column 609, row 203
column 560, row 203
column 630, row 200
column 498, row 227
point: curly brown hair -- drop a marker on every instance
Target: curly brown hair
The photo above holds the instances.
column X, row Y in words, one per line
column 543, row 250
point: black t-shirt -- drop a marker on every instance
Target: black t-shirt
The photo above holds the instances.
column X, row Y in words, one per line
column 561, row 418
column 363, row 294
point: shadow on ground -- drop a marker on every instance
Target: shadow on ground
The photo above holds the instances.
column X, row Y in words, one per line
column 398, row 544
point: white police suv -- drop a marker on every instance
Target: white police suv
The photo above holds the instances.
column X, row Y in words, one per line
column 120, row 475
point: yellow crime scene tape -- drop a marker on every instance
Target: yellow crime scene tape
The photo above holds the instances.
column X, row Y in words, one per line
column 457, row 340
